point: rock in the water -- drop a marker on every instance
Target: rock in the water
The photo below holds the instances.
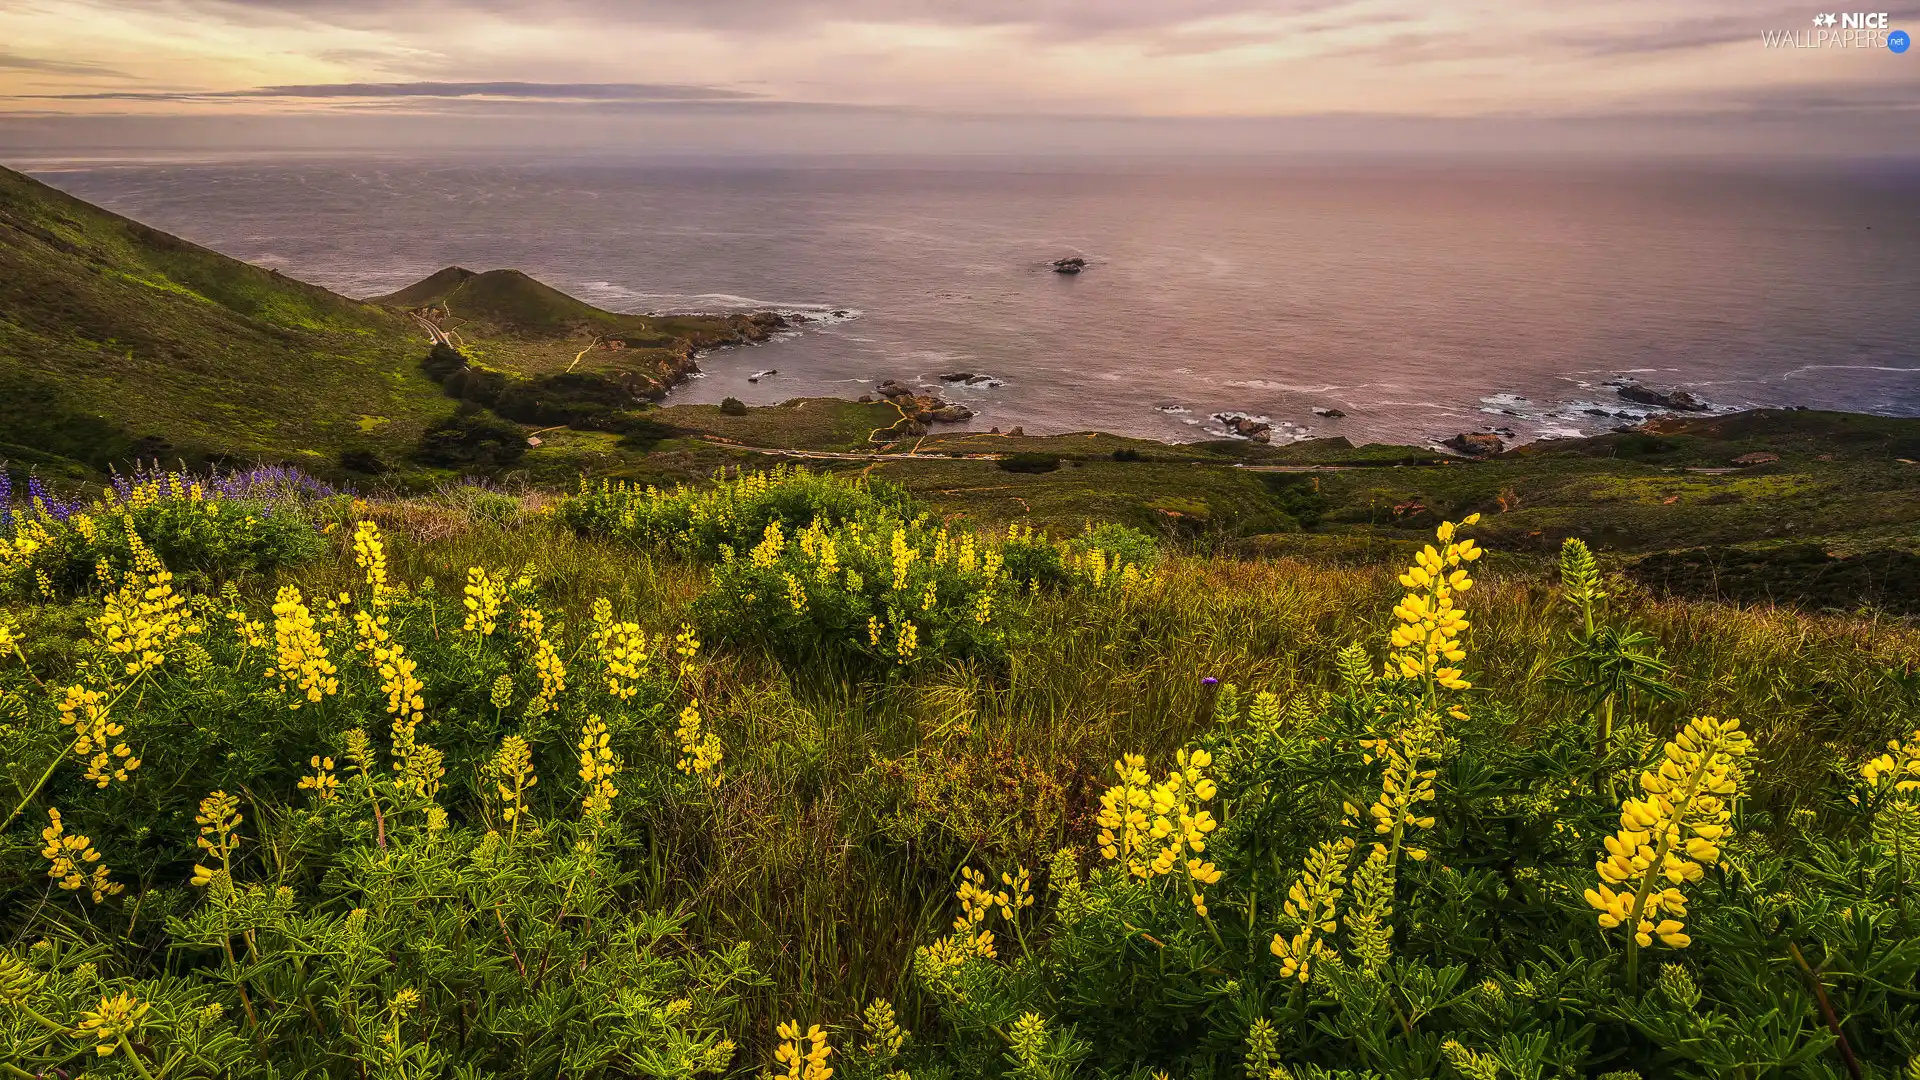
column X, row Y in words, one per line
column 1073, row 264
column 841, row 313
column 1665, row 399
column 952, row 414
column 1017, row 431
column 1760, row 458
column 893, row 388
column 957, row 376
column 1475, row 444
column 1331, row 414
column 866, row 399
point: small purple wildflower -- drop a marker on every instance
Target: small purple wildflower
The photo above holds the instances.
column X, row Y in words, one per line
column 1209, row 681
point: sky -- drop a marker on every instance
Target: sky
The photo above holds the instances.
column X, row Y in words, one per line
column 954, row 76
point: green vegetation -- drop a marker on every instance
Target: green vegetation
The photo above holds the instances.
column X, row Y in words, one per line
column 119, row 343
column 501, row 787
column 1072, row 757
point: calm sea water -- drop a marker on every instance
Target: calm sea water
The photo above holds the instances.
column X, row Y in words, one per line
column 1421, row 302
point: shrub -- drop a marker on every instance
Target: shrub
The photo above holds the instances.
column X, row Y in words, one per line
column 1128, row 453
column 733, row 406
column 471, row 437
column 1102, row 555
column 209, row 527
column 734, row 510
column 870, row 592
column 1027, row 461
column 442, row 360
column 441, row 882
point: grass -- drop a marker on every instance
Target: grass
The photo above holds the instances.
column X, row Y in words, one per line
column 847, row 803
column 120, row 342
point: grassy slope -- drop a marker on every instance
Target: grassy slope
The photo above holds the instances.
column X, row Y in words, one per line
column 507, row 320
column 858, row 866
column 111, row 332
column 119, row 341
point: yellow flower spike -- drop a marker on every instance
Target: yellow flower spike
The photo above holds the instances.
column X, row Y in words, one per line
column 113, row 1023
column 1669, row 833
column 322, row 782
column 1313, row 903
column 700, row 749
column 73, row 863
column 546, row 662
column 598, row 766
column 219, row 819
column 803, row 1055
column 513, row 778
column 301, row 663
column 96, row 736
column 370, row 554
column 483, row 596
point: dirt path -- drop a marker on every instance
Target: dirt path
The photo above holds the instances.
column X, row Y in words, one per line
column 913, row 455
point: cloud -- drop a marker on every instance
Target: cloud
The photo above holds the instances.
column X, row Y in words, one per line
column 515, row 91
column 16, row 62
column 1057, row 19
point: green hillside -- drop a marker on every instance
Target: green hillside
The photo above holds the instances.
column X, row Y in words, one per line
column 118, row 340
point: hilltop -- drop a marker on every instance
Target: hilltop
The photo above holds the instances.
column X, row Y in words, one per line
column 119, row 341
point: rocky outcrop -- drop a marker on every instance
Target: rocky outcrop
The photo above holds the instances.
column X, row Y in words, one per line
column 1664, row 398
column 1475, row 444
column 1331, row 414
column 1072, row 264
column 1246, row 427
column 1759, row 458
column 921, row 409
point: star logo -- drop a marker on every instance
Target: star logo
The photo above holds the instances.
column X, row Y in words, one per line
column 1824, row 20
column 1830, row 19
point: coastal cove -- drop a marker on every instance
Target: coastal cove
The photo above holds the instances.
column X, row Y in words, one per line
column 1418, row 305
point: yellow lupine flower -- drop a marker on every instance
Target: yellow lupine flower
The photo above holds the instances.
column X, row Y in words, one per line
column 803, row 1054
column 301, row 664
column 700, row 751
column 1897, row 770
column 1313, row 902
column 1428, row 626
column 1669, row 833
column 546, row 662
column 144, row 616
column 598, row 766
column 95, row 736
column 484, row 593
column 1124, row 830
column 370, row 554
column 219, row 819
column 513, row 777
column 322, row 782
column 113, row 1023
column 73, row 864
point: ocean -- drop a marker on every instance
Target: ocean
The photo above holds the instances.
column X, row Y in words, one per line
column 1420, row 302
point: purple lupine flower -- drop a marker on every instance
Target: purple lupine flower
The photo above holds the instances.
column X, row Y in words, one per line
column 1209, row 681
column 6, row 502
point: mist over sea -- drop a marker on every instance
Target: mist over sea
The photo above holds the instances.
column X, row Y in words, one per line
column 1422, row 302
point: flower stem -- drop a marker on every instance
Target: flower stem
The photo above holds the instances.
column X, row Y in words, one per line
column 139, row 1065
